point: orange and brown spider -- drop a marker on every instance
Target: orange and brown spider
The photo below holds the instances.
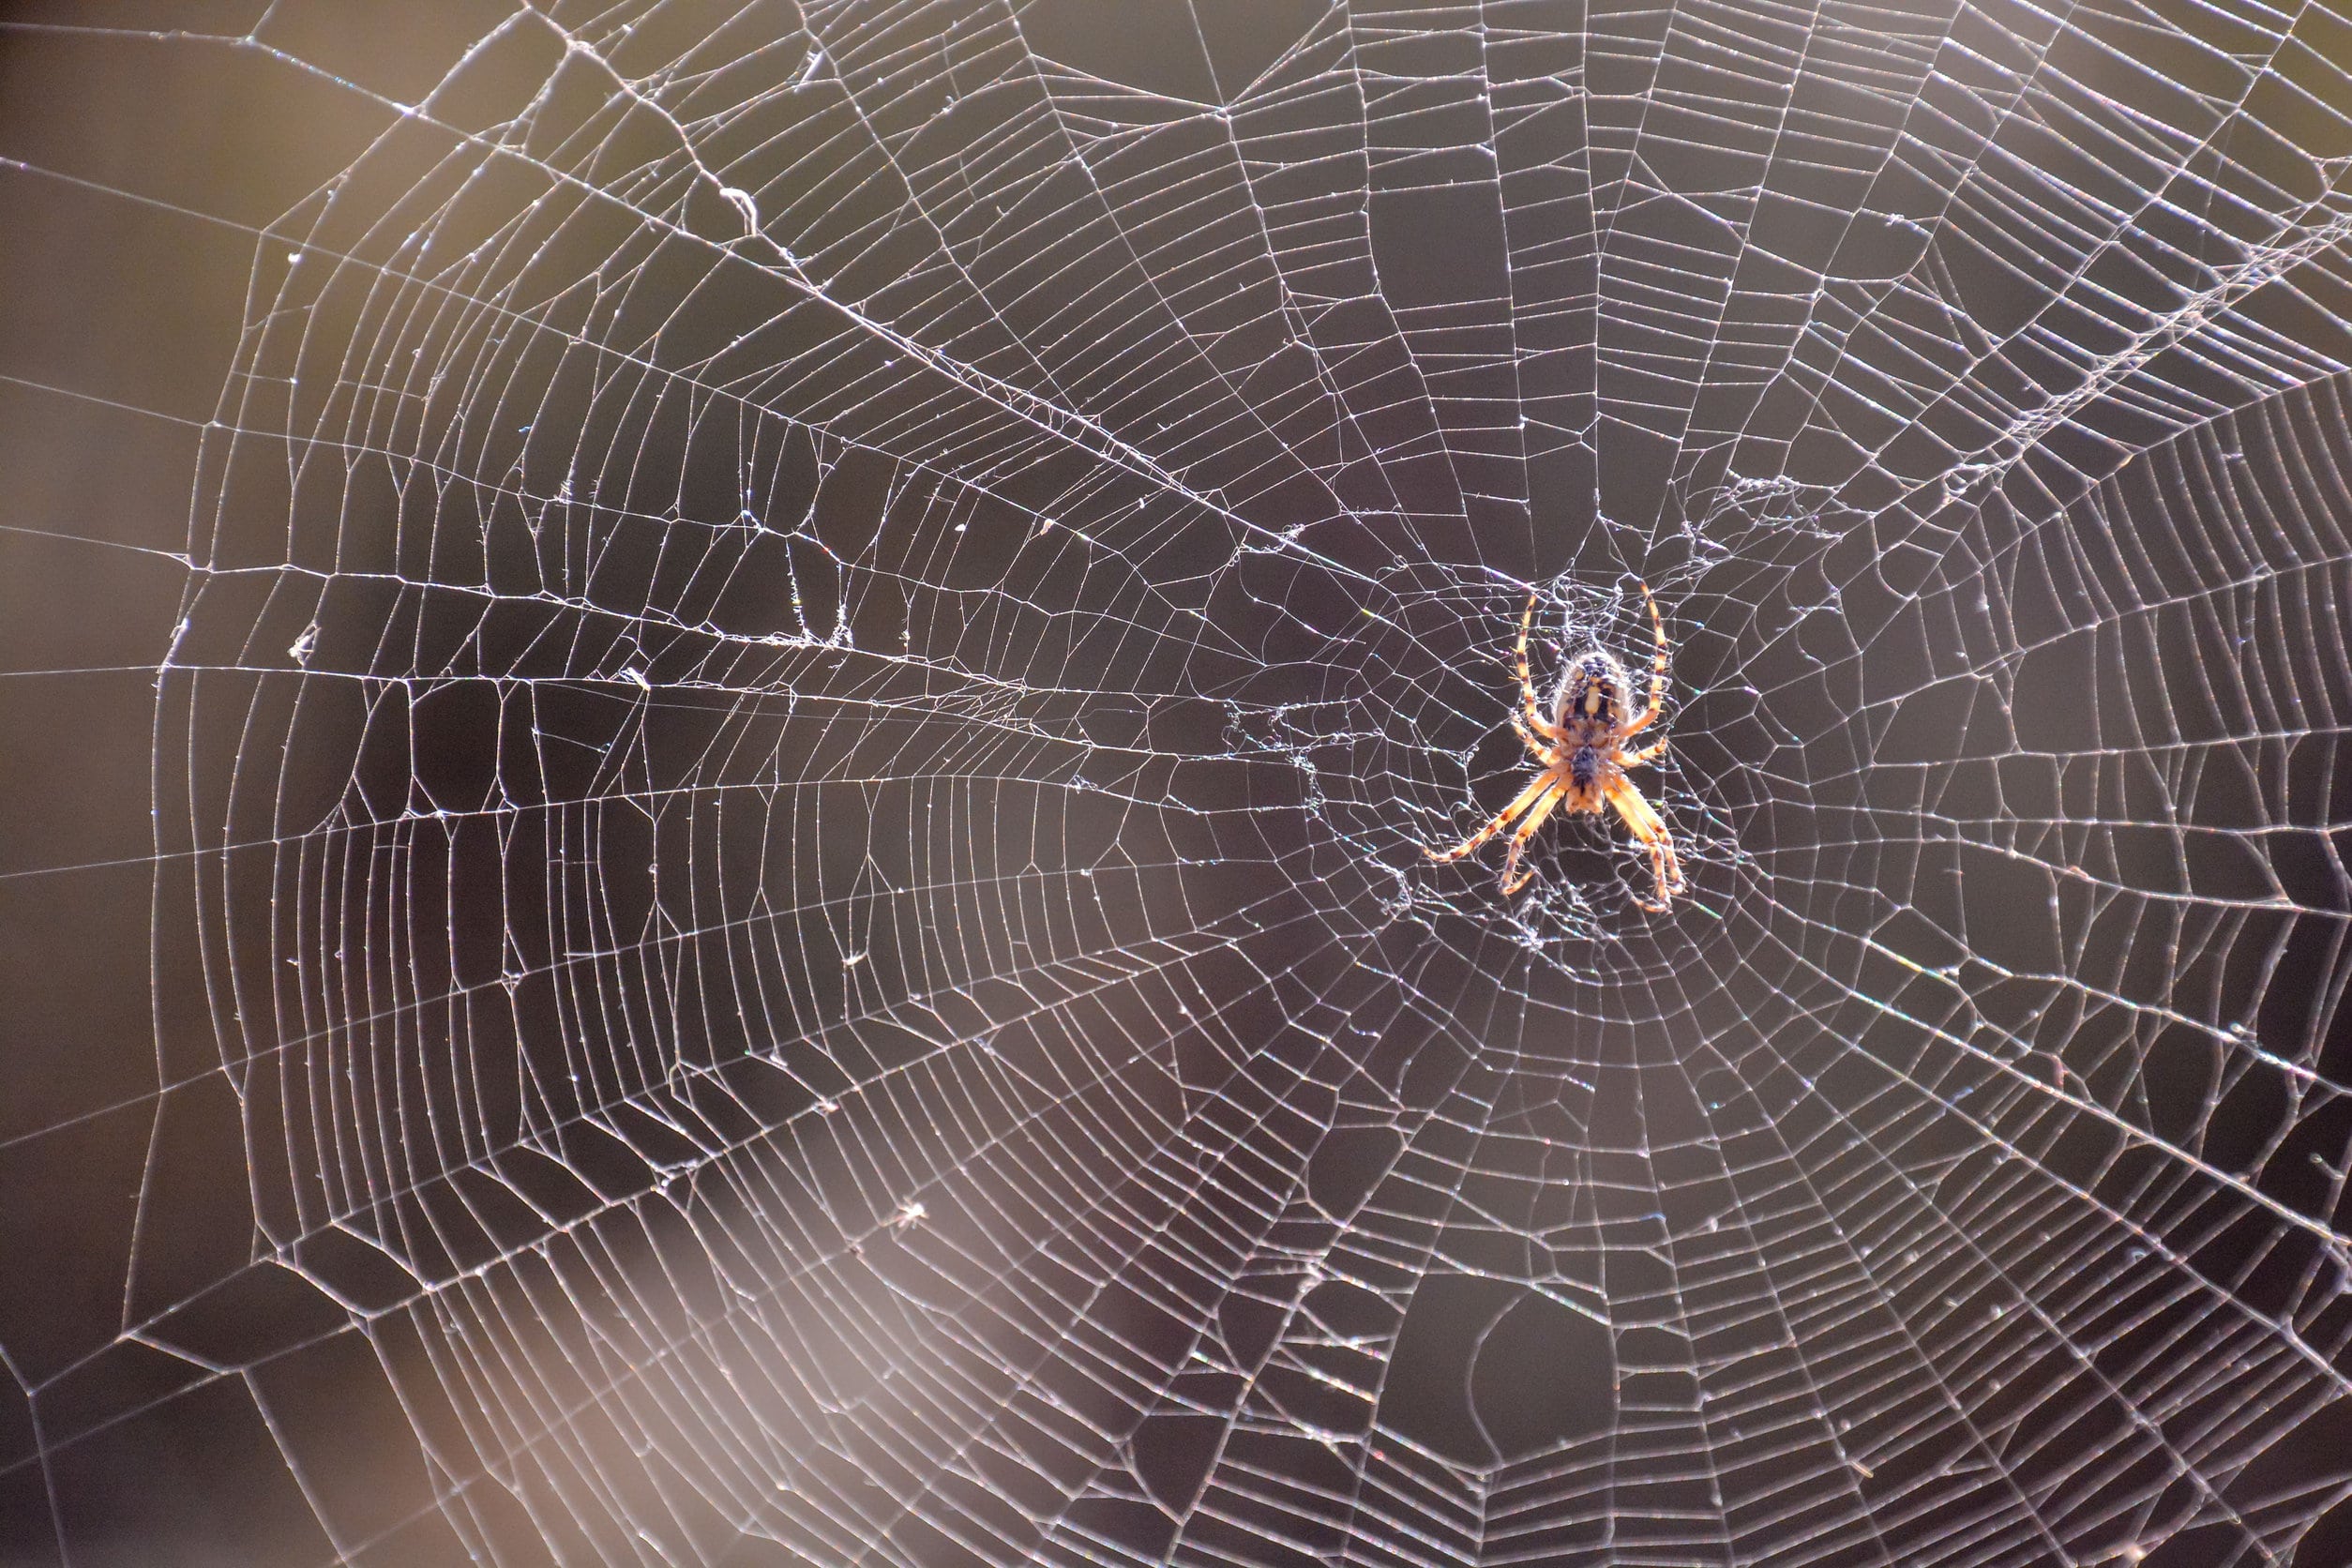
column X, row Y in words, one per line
column 1581, row 755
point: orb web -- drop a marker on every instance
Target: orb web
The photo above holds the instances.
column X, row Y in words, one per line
column 815, row 651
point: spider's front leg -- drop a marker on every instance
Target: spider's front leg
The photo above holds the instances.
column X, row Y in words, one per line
column 1643, row 822
column 1494, row 824
column 1511, row 884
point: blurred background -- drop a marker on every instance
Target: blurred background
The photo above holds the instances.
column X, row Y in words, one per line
column 717, row 724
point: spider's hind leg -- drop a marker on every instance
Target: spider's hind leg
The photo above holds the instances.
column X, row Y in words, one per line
column 1535, row 720
column 1657, row 628
column 1649, row 716
column 1537, row 747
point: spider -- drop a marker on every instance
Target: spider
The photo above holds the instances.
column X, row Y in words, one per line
column 1581, row 753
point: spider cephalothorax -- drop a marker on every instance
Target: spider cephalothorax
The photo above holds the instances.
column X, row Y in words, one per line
column 1581, row 756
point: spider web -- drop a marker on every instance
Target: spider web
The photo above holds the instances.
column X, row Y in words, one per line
column 730, row 714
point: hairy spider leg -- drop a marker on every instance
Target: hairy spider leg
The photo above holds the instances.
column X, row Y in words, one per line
column 1526, row 830
column 1649, row 716
column 1636, row 759
column 1642, row 822
column 1500, row 820
column 1535, row 719
column 1528, row 738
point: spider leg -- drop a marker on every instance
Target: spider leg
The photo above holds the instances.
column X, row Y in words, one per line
column 1535, row 719
column 1636, row 759
column 1657, row 670
column 1541, row 749
column 1643, row 822
column 1494, row 824
column 1542, row 810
